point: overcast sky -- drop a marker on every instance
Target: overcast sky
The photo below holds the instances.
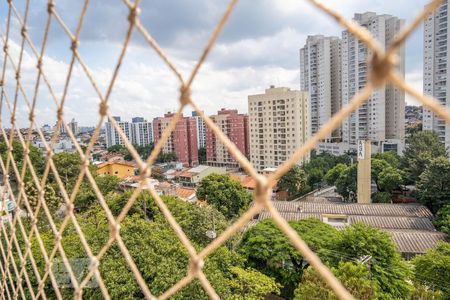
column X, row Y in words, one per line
column 259, row 47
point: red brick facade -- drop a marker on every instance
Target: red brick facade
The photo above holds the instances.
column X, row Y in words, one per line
column 235, row 126
column 182, row 140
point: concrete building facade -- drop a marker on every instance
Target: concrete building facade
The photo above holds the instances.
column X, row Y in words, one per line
column 112, row 135
column 436, row 69
column 320, row 76
column 201, row 130
column 235, row 127
column 183, row 139
column 141, row 132
column 382, row 117
column 278, row 124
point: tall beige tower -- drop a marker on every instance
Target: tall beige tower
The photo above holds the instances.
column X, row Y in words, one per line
column 364, row 172
column 279, row 124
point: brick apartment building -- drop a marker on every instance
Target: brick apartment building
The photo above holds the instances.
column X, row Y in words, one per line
column 182, row 141
column 235, row 126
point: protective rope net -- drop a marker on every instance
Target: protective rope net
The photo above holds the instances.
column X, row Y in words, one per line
column 18, row 264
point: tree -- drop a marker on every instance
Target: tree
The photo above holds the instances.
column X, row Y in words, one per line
column 51, row 199
column 158, row 173
column 166, row 157
column 86, row 195
column 269, row 251
column 346, row 182
column 294, row 182
column 202, row 155
column 225, row 194
column 333, row 174
column 421, row 148
column 390, row 157
column 249, row 284
column 433, row 185
column 387, row 268
column 36, row 158
column 385, row 176
column 68, row 166
column 433, row 269
column 355, row 278
column 442, row 219
column 144, row 151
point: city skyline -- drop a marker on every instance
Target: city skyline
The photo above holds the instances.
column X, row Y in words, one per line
column 242, row 63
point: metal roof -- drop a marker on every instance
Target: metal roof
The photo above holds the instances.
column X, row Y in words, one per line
column 375, row 209
column 409, row 224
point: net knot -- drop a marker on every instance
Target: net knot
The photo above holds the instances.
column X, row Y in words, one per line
column 5, row 48
column 381, row 66
column 74, row 44
column 59, row 114
column 262, row 189
column 31, row 117
column 114, row 230
column 185, row 95
column 23, row 31
column 103, row 108
column 39, row 64
column 134, row 12
column 17, row 75
column 50, row 7
column 195, row 265
column 94, row 263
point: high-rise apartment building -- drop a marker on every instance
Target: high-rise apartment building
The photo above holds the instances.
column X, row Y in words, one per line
column 74, row 127
column 436, row 77
column 320, row 74
column 235, row 127
column 112, row 135
column 183, row 139
column 382, row 118
column 141, row 132
column 201, row 130
column 279, row 124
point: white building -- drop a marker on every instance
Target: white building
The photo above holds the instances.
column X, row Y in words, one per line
column 279, row 124
column 112, row 136
column 141, row 133
column 382, row 117
column 201, row 130
column 320, row 73
column 436, row 69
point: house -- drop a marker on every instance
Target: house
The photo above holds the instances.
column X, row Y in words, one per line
column 409, row 225
column 193, row 176
column 120, row 169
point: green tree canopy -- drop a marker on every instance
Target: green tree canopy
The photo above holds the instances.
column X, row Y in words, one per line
column 268, row 250
column 421, row 148
column 442, row 219
column 433, row 269
column 433, row 185
column 355, row 278
column 225, row 194
column 333, row 174
column 387, row 268
column 294, row 182
column 249, row 284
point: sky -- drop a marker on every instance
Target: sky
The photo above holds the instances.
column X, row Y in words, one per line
column 258, row 47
